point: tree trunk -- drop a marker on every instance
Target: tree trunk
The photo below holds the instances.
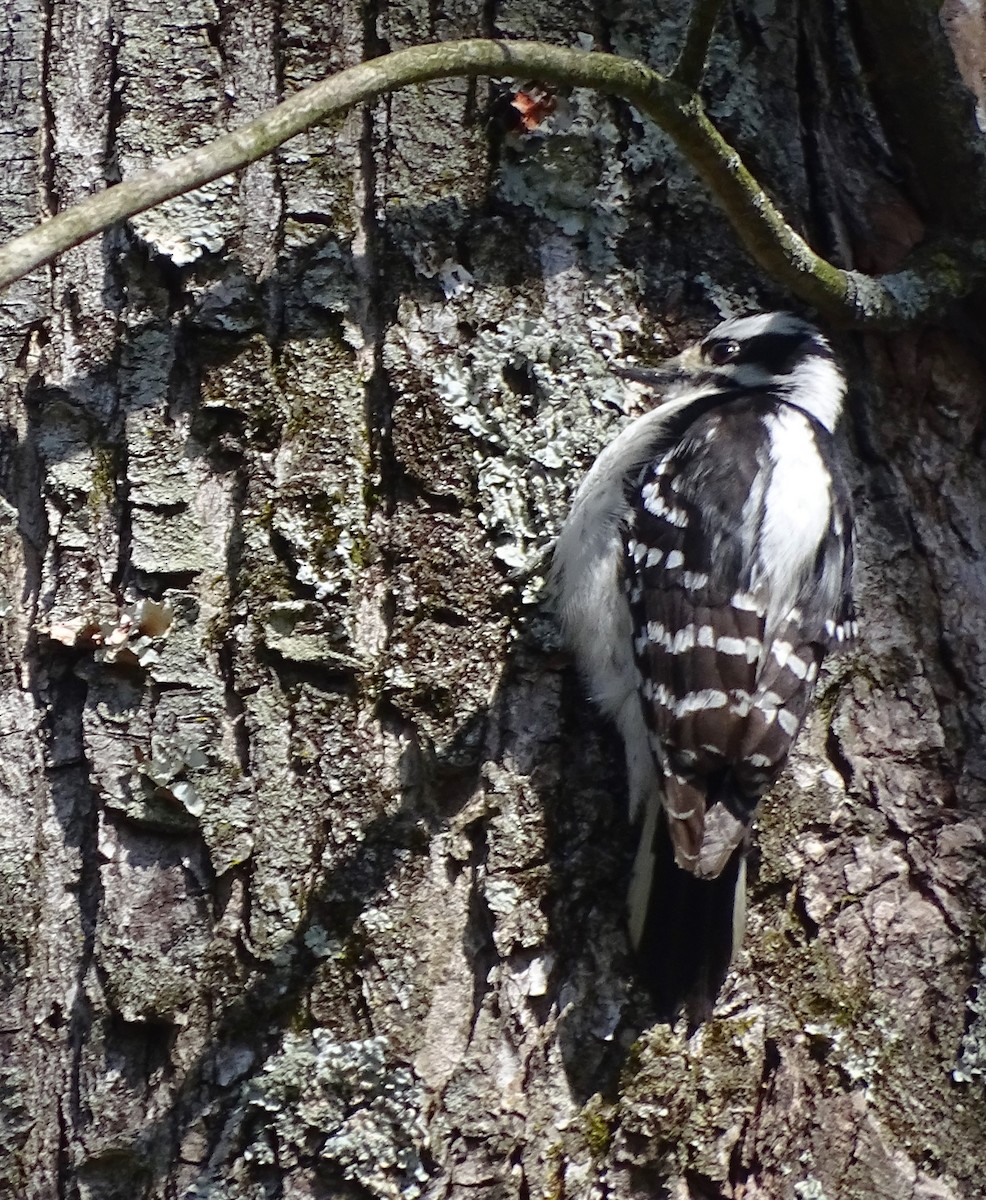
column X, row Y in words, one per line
column 313, row 850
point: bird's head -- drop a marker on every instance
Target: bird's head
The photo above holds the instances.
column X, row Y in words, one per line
column 770, row 352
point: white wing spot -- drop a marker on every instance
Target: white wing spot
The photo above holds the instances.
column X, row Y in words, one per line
column 656, row 633
column 654, row 556
column 653, row 500
column 747, row 602
column 683, row 640
column 781, row 651
column 700, row 701
column 675, row 559
column 748, row 647
column 657, row 506
column 797, row 666
column 788, row 721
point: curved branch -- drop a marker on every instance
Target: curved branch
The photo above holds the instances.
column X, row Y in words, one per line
column 840, row 295
column 702, row 20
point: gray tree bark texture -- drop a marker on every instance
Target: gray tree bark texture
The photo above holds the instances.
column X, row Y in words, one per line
column 312, row 850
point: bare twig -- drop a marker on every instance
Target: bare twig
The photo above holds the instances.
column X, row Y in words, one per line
column 843, row 296
column 689, row 68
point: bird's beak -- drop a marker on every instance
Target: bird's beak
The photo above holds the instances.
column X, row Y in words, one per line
column 675, row 371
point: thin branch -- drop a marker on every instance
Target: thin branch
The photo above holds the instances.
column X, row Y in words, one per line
column 690, row 67
column 935, row 275
column 843, row 296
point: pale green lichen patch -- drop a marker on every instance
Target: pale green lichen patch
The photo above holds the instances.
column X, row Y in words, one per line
column 344, row 1106
column 319, row 512
column 971, row 1064
column 184, row 229
column 569, row 172
column 597, row 1125
column 184, row 66
column 526, row 444
column 244, row 386
column 303, row 631
column 685, row 1101
column 810, row 1189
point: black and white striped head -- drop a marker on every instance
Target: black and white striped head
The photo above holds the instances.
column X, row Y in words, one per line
column 774, row 351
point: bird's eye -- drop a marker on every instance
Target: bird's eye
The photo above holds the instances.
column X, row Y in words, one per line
column 721, row 353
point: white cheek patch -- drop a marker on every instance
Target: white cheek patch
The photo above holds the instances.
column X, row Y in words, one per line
column 817, row 387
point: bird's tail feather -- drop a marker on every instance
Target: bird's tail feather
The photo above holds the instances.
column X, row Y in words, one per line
column 685, row 930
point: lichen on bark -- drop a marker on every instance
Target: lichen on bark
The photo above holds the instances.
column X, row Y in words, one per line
column 313, row 849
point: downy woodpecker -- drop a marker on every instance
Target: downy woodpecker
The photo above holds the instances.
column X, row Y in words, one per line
column 702, row 575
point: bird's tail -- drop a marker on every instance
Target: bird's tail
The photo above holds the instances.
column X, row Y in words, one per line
column 684, row 929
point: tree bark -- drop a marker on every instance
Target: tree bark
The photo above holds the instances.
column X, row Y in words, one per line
column 313, row 850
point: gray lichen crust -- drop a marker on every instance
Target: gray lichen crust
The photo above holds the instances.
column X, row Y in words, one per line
column 338, row 1105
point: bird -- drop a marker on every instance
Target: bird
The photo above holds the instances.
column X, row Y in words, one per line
column 701, row 576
